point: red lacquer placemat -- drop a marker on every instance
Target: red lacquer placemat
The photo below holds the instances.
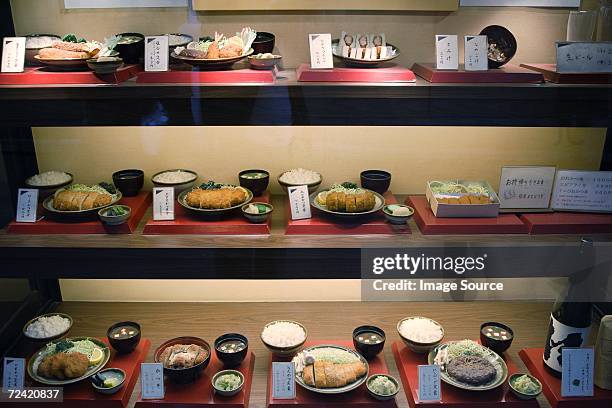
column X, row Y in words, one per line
column 551, row 386
column 505, row 74
column 201, row 392
column 91, row 225
column 408, row 362
column 550, row 74
column 186, row 75
column 82, row 394
column 230, row 224
column 429, row 224
column 48, row 76
column 356, row 398
column 390, row 73
column 568, row 223
column 325, row 224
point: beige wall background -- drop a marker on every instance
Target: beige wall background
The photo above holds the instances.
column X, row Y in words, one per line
column 536, row 29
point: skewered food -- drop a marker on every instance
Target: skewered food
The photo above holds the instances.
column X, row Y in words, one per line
column 63, row 366
column 347, row 197
column 216, row 196
column 80, row 197
column 183, row 356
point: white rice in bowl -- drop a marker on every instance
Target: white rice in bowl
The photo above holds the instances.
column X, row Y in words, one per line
column 420, row 330
column 283, row 334
column 48, row 178
column 47, row 326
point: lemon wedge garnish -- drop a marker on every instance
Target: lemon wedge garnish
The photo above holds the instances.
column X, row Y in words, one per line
column 96, row 356
column 322, row 197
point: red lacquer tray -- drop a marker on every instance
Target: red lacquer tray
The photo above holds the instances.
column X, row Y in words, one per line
column 92, row 225
column 568, row 223
column 408, row 362
column 385, row 73
column 230, row 224
column 358, row 398
column 187, row 75
column 324, row 224
column 48, row 76
column 551, row 386
column 429, row 224
column 506, row 74
column 82, row 394
column 201, row 392
column 550, row 74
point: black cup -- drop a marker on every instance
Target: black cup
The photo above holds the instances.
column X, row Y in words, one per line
column 376, row 180
column 258, row 185
column 504, row 41
column 495, row 344
column 264, row 42
column 368, row 350
column 129, row 182
column 231, row 359
column 125, row 345
column 131, row 53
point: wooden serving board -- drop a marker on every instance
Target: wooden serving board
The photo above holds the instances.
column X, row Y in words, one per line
column 201, row 392
column 408, row 362
column 551, row 385
column 189, row 76
column 429, row 224
column 82, row 394
column 551, row 75
column 185, row 222
column 387, row 72
column 357, row 398
column 91, row 225
column 50, row 76
column 568, row 223
column 326, row 224
column 506, row 74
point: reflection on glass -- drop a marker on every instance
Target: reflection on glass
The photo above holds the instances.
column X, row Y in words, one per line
column 581, row 25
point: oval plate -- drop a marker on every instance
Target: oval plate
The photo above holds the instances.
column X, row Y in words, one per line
column 358, row 63
column 211, row 63
column 380, row 203
column 494, row 358
column 63, row 62
column 206, row 211
column 340, row 390
column 35, row 360
column 48, row 205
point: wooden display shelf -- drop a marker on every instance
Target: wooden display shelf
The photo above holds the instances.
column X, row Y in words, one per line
column 358, row 398
column 550, row 74
column 90, row 225
column 568, row 223
column 506, row 74
column 187, row 75
column 430, row 224
column 201, row 393
column 408, row 362
column 50, row 76
column 386, row 73
column 186, row 222
column 551, row 386
column 325, row 224
column 82, row 394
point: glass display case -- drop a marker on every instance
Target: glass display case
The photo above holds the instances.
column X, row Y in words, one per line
column 306, row 204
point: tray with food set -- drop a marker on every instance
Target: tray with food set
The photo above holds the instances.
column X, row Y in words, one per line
column 472, row 375
column 331, row 374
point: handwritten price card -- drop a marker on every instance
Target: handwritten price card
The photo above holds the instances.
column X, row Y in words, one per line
column 163, row 203
column 152, row 380
column 588, row 191
column 447, row 52
column 13, row 373
column 577, row 374
column 283, row 380
column 429, row 383
column 584, row 57
column 300, row 202
column 27, row 201
column 156, row 53
column 321, row 51
column 526, row 187
column 13, row 54
column 476, row 53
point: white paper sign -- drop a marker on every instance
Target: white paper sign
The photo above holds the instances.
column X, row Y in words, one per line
column 588, row 191
column 577, row 373
column 27, row 202
column 429, row 383
column 299, row 202
column 152, row 380
column 163, row 203
column 447, row 52
column 526, row 187
column 13, row 373
column 283, row 380
column 321, row 51
column 13, row 54
column 584, row 57
column 156, row 53
column 476, row 47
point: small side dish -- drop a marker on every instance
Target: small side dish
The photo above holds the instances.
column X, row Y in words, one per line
column 382, row 387
column 420, row 334
column 283, row 337
column 257, row 212
column 525, row 386
column 47, row 327
column 108, row 381
column 115, row 215
column 264, row 60
column 228, row 382
column 398, row 213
